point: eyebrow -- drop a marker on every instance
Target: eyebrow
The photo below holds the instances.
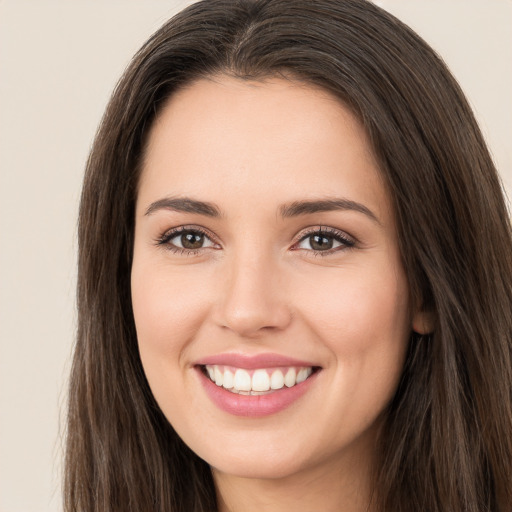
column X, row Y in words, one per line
column 297, row 208
column 293, row 209
column 184, row 204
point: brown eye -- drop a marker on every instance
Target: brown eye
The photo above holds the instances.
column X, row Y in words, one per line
column 321, row 242
column 187, row 240
column 192, row 240
column 326, row 241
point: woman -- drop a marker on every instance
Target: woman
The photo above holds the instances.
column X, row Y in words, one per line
column 295, row 275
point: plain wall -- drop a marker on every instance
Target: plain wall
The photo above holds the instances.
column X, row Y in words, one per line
column 59, row 61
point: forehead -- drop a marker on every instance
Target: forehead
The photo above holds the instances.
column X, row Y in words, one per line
column 265, row 138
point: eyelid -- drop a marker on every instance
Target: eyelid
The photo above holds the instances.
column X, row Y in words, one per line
column 347, row 241
column 164, row 239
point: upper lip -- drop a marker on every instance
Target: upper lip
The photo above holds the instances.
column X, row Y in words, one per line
column 253, row 361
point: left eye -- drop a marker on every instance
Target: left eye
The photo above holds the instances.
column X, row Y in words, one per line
column 189, row 240
column 322, row 242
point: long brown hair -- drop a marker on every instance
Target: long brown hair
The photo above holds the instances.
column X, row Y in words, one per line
column 447, row 440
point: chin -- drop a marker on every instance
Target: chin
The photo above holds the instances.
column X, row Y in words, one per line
column 259, row 469
column 259, row 458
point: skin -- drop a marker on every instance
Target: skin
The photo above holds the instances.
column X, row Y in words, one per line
column 257, row 286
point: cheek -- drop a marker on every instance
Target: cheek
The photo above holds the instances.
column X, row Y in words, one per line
column 168, row 306
column 358, row 311
column 362, row 319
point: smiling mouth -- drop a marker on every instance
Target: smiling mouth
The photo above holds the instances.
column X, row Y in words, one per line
column 260, row 381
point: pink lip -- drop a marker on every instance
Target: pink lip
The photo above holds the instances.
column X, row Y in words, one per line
column 251, row 362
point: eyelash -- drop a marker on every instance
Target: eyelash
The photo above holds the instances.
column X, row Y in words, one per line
column 165, row 238
column 346, row 242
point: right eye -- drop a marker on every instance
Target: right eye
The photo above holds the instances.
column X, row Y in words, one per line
column 186, row 240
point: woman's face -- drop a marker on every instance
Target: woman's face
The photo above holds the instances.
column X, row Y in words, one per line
column 265, row 254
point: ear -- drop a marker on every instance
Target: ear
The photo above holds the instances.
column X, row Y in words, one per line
column 423, row 322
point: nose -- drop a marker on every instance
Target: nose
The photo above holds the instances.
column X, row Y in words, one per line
column 253, row 299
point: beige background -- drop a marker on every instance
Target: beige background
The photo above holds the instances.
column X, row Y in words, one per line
column 59, row 61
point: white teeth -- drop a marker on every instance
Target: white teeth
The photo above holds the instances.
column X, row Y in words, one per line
column 277, row 380
column 242, row 380
column 228, row 380
column 303, row 374
column 290, row 378
column 260, row 381
column 263, row 380
column 218, row 376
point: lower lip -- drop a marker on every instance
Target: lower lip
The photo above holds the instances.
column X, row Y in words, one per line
column 254, row 405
